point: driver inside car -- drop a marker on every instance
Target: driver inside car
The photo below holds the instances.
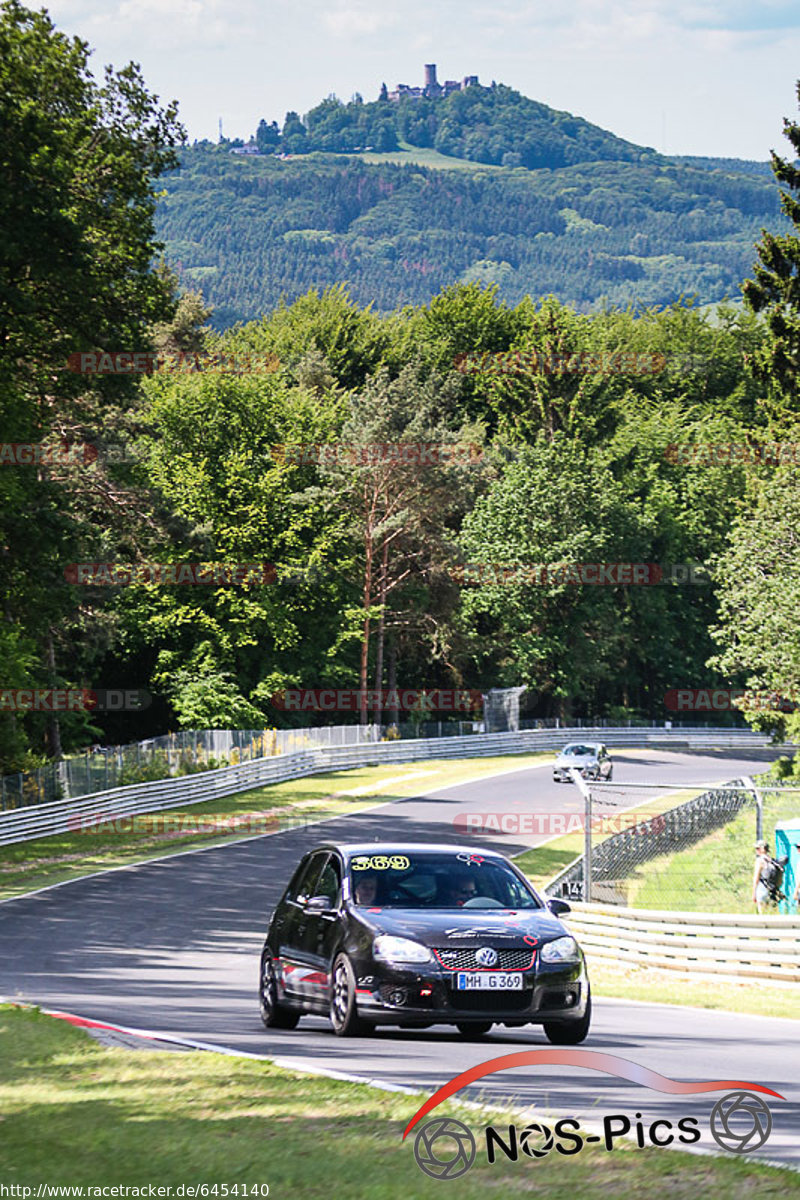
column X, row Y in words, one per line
column 366, row 890
column 458, row 890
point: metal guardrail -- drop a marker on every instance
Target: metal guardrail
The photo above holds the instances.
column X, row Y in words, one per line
column 62, row 816
column 170, row 756
column 702, row 944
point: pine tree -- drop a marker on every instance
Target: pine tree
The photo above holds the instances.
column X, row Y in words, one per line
column 775, row 290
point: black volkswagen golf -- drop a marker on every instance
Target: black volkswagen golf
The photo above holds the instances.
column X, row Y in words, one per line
column 417, row 935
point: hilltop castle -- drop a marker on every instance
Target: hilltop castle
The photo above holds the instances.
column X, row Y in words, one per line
column 432, row 88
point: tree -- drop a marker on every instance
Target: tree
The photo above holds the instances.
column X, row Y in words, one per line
column 187, row 332
column 268, row 137
column 759, row 599
column 555, row 507
column 775, row 291
column 234, row 497
column 294, row 135
column 77, row 165
column 404, row 499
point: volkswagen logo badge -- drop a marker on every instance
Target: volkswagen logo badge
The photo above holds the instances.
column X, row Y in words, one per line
column 486, row 956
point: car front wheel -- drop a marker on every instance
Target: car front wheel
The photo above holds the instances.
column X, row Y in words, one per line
column 273, row 1014
column 569, row 1033
column 343, row 1011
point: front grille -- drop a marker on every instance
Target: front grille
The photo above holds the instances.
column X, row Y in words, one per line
column 458, row 958
column 491, row 1002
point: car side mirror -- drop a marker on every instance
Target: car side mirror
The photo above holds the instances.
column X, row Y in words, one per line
column 319, row 904
column 558, row 907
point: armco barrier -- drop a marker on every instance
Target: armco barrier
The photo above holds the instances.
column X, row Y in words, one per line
column 60, row 816
column 704, row 945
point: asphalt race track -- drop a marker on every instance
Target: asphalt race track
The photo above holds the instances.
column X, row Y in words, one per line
column 173, row 946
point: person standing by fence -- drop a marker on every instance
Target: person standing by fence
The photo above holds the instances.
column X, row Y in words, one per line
column 760, row 889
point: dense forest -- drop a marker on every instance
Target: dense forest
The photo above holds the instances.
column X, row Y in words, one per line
column 541, row 435
column 252, row 231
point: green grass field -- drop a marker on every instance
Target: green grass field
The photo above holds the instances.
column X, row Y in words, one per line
column 75, row 1113
column 421, row 156
column 652, row 986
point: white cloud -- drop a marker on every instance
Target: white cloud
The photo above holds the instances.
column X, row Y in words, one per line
column 157, row 24
column 348, row 22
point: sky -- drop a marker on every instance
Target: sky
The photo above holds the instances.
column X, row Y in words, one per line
column 685, row 78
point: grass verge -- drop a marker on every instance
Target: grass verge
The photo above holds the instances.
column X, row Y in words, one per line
column 623, row 982
column 60, row 857
column 75, row 1113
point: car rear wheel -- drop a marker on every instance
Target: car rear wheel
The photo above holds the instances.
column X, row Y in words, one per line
column 343, row 1011
column 473, row 1029
column 273, row 1014
column 569, row 1033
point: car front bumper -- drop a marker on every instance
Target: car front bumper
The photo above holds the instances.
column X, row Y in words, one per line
column 395, row 995
column 563, row 774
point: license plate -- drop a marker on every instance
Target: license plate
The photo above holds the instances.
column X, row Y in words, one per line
column 491, row 981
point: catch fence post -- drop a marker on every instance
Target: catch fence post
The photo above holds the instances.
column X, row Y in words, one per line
column 587, row 832
column 748, row 782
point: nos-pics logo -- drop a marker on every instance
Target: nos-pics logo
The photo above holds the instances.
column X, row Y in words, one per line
column 445, row 1148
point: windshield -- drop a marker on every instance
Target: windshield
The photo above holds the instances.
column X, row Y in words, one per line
column 579, row 751
column 436, row 881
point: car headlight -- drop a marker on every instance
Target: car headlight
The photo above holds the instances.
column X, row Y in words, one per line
column 400, row 950
column 563, row 949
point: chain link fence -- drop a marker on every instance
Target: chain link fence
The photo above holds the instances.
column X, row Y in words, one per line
column 614, row 860
column 174, row 754
column 669, row 860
